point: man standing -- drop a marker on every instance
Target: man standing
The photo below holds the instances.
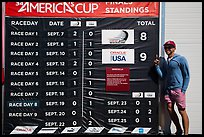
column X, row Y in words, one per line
column 175, row 72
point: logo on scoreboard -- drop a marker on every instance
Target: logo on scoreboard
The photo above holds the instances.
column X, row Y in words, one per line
column 58, row 7
column 125, row 36
column 141, row 130
column 75, row 23
column 117, row 56
column 24, row 130
column 49, row 130
column 91, row 23
column 71, row 130
column 94, row 130
column 117, row 130
column 149, row 94
column 137, row 94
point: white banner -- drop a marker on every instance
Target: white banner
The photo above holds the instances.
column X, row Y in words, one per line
column 117, row 56
column 123, row 36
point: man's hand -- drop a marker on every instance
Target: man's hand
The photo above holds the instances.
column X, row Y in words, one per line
column 156, row 60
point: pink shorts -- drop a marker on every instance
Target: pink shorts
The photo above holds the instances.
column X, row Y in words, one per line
column 176, row 96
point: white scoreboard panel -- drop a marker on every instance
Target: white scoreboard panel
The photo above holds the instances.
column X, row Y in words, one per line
column 81, row 75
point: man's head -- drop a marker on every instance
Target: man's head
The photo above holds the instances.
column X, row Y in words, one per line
column 170, row 48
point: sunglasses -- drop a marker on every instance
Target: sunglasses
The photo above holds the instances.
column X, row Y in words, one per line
column 168, row 47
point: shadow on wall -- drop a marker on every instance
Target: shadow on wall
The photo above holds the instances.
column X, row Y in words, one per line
column 164, row 118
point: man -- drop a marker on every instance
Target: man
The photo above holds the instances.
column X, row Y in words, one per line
column 175, row 72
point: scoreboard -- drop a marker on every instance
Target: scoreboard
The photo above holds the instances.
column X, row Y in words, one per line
column 81, row 68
